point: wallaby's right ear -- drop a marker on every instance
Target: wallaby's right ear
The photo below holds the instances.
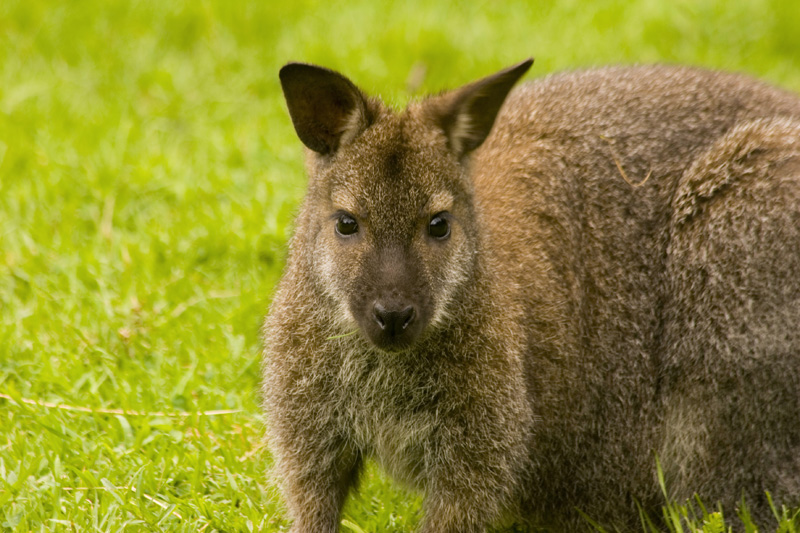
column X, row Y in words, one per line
column 326, row 108
column 467, row 115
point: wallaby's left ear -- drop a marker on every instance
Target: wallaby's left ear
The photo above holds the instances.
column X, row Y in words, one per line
column 467, row 114
column 327, row 109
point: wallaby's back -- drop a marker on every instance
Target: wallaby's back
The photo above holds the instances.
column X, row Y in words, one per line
column 577, row 185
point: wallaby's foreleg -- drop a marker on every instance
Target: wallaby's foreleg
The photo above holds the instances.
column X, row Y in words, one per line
column 317, row 477
column 314, row 461
column 471, row 475
column 459, row 502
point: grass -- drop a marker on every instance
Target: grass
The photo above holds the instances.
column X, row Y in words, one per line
column 148, row 177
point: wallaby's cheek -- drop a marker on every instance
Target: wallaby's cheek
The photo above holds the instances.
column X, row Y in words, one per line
column 448, row 269
column 336, row 268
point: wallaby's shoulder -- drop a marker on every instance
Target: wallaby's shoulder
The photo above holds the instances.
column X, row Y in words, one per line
column 648, row 119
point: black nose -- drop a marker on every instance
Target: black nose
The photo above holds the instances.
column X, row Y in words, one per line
column 393, row 321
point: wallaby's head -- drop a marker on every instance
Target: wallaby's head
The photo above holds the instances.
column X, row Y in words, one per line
column 388, row 229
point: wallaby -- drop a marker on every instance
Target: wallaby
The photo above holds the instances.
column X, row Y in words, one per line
column 517, row 302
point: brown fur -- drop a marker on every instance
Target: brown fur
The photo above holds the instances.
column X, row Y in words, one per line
column 621, row 280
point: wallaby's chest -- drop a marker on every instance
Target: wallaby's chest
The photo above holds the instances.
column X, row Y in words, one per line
column 391, row 411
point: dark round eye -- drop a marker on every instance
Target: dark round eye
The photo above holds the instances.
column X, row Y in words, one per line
column 346, row 225
column 439, row 227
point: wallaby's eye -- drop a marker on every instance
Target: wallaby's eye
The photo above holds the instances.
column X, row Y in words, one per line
column 439, row 227
column 346, row 225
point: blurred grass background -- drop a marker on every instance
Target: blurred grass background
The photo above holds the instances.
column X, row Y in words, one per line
column 148, row 176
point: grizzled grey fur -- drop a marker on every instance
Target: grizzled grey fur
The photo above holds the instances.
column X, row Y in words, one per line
column 514, row 301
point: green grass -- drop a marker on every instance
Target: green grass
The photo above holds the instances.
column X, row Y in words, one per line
column 148, row 176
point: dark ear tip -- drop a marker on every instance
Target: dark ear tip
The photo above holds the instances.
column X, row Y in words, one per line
column 295, row 73
column 293, row 68
column 522, row 67
column 287, row 68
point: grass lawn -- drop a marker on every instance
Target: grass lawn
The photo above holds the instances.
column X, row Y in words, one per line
column 148, row 177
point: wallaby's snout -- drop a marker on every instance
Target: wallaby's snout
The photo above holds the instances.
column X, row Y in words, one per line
column 392, row 307
column 394, row 320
